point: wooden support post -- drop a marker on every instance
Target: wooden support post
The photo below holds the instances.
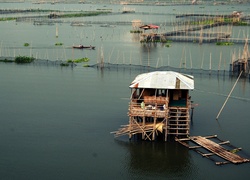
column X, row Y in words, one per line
column 228, row 96
column 154, row 129
column 143, row 123
column 130, row 121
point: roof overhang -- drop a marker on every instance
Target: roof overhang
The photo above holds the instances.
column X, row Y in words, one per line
column 163, row 80
column 149, row 26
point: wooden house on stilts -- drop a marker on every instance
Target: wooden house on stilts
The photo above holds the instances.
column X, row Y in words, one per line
column 159, row 105
column 242, row 63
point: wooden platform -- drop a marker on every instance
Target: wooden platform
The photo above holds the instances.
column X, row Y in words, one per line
column 214, row 149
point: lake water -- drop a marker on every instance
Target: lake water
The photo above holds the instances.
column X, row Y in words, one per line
column 55, row 122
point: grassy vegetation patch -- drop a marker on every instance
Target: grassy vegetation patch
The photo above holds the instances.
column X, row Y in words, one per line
column 24, row 59
column 7, row 19
column 64, row 64
column 83, row 14
column 58, row 44
column 135, row 31
column 85, row 59
column 26, row 44
column 224, row 43
column 7, row 60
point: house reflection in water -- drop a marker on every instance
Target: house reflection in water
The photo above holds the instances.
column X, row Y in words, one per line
column 169, row 160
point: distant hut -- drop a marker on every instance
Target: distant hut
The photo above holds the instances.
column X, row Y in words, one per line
column 136, row 24
column 151, row 27
column 159, row 106
column 242, row 63
column 150, row 36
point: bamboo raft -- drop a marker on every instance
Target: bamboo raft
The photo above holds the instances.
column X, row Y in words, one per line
column 214, row 149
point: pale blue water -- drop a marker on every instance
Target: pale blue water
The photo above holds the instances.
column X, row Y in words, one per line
column 55, row 122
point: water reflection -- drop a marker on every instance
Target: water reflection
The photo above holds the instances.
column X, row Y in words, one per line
column 164, row 159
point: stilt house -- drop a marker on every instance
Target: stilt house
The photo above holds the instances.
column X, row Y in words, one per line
column 159, row 106
column 243, row 62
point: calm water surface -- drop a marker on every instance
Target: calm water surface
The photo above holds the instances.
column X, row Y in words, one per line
column 55, row 122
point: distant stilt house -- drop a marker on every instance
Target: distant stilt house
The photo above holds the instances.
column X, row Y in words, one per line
column 159, row 106
column 242, row 63
column 152, row 35
column 136, row 24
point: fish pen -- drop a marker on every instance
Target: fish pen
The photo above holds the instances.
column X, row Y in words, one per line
column 189, row 34
column 199, row 28
column 159, row 106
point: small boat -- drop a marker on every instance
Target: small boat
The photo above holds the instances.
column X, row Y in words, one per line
column 84, row 47
column 77, row 24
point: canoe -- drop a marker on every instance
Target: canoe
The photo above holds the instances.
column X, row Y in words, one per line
column 84, row 47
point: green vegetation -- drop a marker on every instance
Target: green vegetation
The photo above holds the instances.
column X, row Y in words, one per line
column 83, row 14
column 234, row 150
column 168, row 43
column 240, row 23
column 7, row 19
column 85, row 59
column 24, row 59
column 135, row 31
column 26, row 44
column 86, row 65
column 233, row 21
column 64, row 64
column 70, row 61
column 155, row 41
column 224, row 43
column 57, row 14
column 19, row 60
column 58, row 44
column 6, row 60
column 104, row 9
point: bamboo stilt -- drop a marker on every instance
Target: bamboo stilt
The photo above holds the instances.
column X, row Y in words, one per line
column 228, row 96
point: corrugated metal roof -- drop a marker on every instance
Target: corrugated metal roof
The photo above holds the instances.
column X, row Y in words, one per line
column 149, row 26
column 163, row 80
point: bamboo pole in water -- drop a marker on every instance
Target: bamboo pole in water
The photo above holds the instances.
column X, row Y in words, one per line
column 185, row 59
column 183, row 50
column 210, row 62
column 56, row 30
column 191, row 63
column 111, row 54
column 31, row 49
column 123, row 58
column 1, row 48
column 148, row 57
column 157, row 63
column 228, row 96
column 202, row 60
column 220, row 61
column 168, row 61
column 130, row 58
